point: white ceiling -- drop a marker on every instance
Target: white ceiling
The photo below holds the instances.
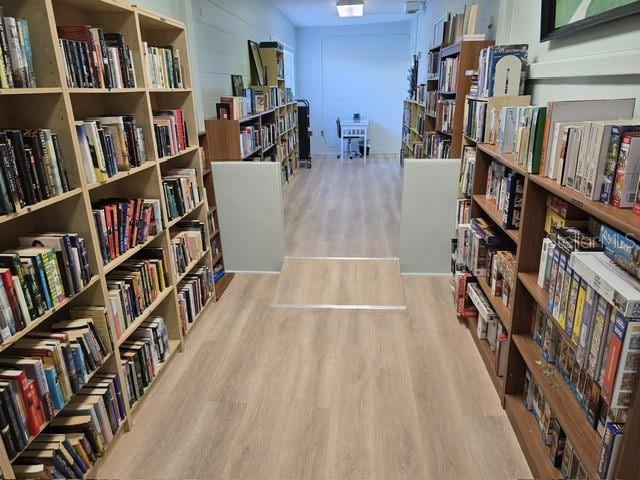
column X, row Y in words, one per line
column 322, row 13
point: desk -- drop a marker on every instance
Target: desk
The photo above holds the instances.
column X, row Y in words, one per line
column 351, row 128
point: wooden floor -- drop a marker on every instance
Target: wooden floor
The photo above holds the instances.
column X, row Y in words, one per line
column 265, row 392
column 345, row 208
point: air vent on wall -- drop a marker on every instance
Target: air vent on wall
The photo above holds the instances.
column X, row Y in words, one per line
column 412, row 7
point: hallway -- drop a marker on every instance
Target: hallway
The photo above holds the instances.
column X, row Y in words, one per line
column 334, row 369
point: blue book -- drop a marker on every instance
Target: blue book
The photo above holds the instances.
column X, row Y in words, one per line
column 54, row 387
column 81, row 366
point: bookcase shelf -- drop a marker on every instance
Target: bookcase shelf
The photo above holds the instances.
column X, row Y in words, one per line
column 488, row 357
column 58, row 108
column 585, row 440
column 528, row 434
column 505, row 159
column 194, row 263
column 503, row 312
column 491, row 210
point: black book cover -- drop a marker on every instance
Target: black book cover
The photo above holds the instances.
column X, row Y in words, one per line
column 64, row 179
column 11, row 172
column 5, row 431
column 117, row 40
column 108, row 81
column 33, row 171
column 32, row 139
column 18, row 428
column 23, row 166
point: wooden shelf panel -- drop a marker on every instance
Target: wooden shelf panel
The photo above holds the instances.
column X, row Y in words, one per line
column 104, row 91
column 145, row 315
column 526, row 429
column 491, row 210
column 503, row 312
column 585, row 440
column 222, row 284
column 179, row 154
column 120, row 175
column 40, row 205
column 47, row 315
column 191, row 266
column 488, row 357
column 622, row 219
column 30, row 91
column 504, row 158
column 175, row 221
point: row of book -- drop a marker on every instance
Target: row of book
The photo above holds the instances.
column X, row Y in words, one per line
column 478, row 242
column 286, row 121
column 164, row 66
column 597, row 304
column 505, row 188
column 445, row 112
column 188, row 245
column 194, row 291
column 257, row 100
column 32, row 168
column 561, row 452
column 437, row 145
column 181, row 191
column 489, row 64
column 135, row 285
column 16, row 57
column 38, row 276
column 96, row 59
column 43, row 373
column 79, row 435
column 250, row 140
column 467, row 169
column 172, row 135
column 448, row 75
column 474, row 121
column 143, row 355
column 463, row 211
column 268, row 136
column 489, row 328
column 122, row 224
column 110, row 145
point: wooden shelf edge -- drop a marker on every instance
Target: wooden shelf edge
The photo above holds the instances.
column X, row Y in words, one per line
column 503, row 312
column 179, row 154
column 175, row 221
column 145, row 315
column 490, row 209
column 30, row 91
column 505, row 159
column 121, row 175
column 528, row 434
column 192, row 265
column 487, row 357
column 40, row 205
column 222, row 284
column 48, row 314
column 116, row 262
column 585, row 440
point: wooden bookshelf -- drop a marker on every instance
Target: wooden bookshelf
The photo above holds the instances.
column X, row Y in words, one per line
column 55, row 106
column 524, row 353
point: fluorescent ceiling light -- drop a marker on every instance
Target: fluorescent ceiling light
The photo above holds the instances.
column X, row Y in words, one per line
column 350, row 8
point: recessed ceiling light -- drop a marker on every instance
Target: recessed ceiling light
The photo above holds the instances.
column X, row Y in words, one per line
column 350, row 8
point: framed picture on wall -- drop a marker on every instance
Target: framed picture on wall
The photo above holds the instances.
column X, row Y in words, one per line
column 237, row 85
column 565, row 17
column 257, row 69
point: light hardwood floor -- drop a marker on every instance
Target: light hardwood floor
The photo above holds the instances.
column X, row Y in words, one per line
column 266, row 393
column 345, row 208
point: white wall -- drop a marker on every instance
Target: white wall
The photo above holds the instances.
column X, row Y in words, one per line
column 218, row 35
column 354, row 69
column 601, row 62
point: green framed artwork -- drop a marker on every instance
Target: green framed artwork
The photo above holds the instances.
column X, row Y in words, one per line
column 564, row 17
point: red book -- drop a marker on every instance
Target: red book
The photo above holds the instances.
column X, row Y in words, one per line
column 5, row 274
column 146, row 223
column 30, row 399
column 130, row 219
column 616, row 342
column 108, row 218
column 181, row 140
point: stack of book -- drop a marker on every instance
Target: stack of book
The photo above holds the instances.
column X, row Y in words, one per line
column 16, row 59
column 122, row 224
column 42, row 375
column 250, row 140
column 467, row 170
column 490, row 329
column 181, row 191
column 135, row 285
column 561, row 452
column 505, row 188
column 474, row 122
column 33, row 168
column 163, row 65
column 110, row 145
column 194, row 291
column 484, row 242
column 448, row 75
column 96, row 413
column 188, row 245
column 437, row 145
column 95, row 59
column 488, row 63
column 171, row 132
column 143, row 355
column 40, row 275
column 445, row 113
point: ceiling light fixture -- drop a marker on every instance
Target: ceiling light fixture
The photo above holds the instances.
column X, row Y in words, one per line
column 350, row 8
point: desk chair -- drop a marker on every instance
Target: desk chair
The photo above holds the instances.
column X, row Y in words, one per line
column 342, row 139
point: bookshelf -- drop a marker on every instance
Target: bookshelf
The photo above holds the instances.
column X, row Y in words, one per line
column 56, row 106
column 524, row 353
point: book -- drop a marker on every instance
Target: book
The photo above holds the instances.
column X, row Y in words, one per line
column 610, row 447
column 622, row 249
column 194, row 292
column 627, row 176
column 618, row 132
column 164, row 66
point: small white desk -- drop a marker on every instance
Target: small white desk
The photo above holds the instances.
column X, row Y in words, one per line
column 351, row 128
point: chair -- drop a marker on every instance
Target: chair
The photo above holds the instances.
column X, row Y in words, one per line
column 342, row 139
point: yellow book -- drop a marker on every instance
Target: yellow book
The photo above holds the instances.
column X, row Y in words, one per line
column 577, row 322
